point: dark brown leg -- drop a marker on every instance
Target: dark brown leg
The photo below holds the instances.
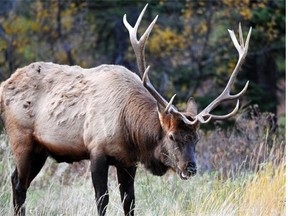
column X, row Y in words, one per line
column 19, row 194
column 99, row 171
column 126, row 181
column 28, row 165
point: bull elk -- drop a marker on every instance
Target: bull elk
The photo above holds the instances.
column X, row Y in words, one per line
column 106, row 114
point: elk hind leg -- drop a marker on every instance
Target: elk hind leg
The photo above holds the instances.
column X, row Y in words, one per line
column 29, row 160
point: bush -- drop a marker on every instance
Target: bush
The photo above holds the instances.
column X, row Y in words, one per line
column 253, row 141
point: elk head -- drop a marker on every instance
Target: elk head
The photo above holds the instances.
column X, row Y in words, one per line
column 180, row 129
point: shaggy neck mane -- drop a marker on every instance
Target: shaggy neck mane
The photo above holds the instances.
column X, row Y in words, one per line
column 144, row 131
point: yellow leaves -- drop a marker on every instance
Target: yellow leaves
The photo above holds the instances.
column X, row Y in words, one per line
column 246, row 13
column 47, row 16
column 265, row 18
column 40, row 21
column 269, row 30
column 164, row 41
column 34, row 26
column 67, row 22
column 227, row 2
column 45, row 28
column 41, row 13
column 3, row 45
column 226, row 70
column 242, row 7
column 187, row 13
column 16, row 28
column 233, row 3
column 202, row 28
column 19, row 25
column 187, row 32
column 272, row 30
column 261, row 5
column 61, row 56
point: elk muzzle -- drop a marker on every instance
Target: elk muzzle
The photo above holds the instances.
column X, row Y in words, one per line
column 189, row 170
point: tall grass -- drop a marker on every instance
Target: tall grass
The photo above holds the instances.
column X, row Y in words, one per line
column 261, row 193
column 256, row 186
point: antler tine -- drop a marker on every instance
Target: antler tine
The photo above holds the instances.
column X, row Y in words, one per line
column 133, row 30
column 221, row 117
column 242, row 49
column 139, row 45
column 169, row 105
column 241, row 36
column 139, row 50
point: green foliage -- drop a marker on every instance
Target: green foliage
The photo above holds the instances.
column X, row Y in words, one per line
column 189, row 44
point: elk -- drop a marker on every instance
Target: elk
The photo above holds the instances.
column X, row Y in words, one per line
column 108, row 115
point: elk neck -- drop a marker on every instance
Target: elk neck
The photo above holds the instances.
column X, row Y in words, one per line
column 144, row 131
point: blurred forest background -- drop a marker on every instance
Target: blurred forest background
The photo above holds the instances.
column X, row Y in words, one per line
column 189, row 49
column 191, row 54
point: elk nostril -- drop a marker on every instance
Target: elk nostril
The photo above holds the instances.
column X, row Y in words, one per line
column 192, row 165
column 191, row 168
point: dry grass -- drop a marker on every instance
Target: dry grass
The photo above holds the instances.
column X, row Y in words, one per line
column 243, row 173
column 265, row 194
column 254, row 140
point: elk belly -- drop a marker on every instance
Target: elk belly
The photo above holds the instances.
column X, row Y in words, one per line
column 62, row 148
column 63, row 141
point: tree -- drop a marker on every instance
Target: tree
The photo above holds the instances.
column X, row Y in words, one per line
column 189, row 50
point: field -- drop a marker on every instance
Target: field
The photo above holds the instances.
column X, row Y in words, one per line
column 242, row 172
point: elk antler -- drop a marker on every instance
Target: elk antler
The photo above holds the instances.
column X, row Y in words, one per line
column 139, row 50
column 204, row 116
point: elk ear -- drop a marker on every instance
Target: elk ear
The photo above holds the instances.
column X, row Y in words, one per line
column 162, row 115
column 191, row 107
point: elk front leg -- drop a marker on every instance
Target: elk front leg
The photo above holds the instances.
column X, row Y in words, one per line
column 19, row 194
column 126, row 183
column 99, row 171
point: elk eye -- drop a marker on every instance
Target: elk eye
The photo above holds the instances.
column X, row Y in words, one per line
column 171, row 137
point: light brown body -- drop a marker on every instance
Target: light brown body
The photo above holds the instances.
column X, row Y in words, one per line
column 105, row 114
column 73, row 112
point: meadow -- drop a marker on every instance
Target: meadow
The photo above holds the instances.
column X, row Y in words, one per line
column 242, row 172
